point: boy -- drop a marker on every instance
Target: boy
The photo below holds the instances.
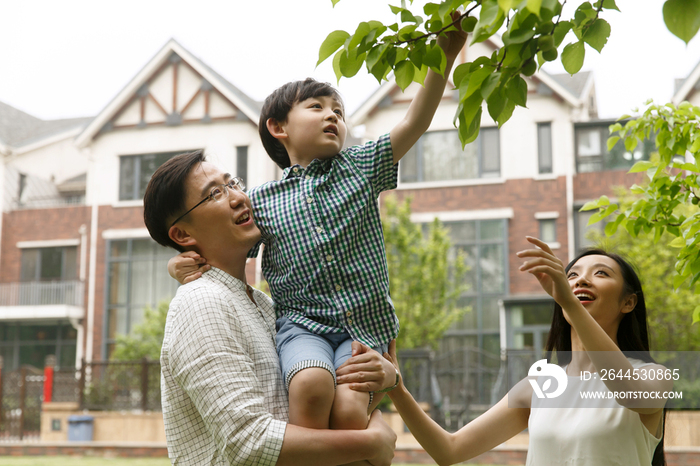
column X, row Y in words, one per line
column 324, row 255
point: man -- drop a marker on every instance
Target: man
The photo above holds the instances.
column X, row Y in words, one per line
column 223, row 396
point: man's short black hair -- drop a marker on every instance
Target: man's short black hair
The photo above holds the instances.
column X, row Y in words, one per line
column 165, row 196
column 277, row 106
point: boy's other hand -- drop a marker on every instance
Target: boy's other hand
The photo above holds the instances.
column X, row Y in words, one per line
column 452, row 42
column 366, row 370
column 385, row 438
column 187, row 266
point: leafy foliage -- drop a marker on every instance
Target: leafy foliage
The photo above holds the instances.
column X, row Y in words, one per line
column 668, row 201
column 425, row 284
column 532, row 33
column 146, row 339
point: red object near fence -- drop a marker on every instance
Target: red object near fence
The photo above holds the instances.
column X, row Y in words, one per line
column 48, row 377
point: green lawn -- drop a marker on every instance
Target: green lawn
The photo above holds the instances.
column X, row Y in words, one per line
column 91, row 461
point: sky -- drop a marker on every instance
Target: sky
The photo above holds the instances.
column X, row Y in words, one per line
column 70, row 58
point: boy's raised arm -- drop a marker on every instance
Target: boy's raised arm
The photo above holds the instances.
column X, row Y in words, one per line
column 420, row 112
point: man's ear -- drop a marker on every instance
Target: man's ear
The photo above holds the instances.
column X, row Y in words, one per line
column 181, row 236
column 276, row 129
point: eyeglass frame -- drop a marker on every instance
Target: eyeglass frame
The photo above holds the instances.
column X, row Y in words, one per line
column 235, row 182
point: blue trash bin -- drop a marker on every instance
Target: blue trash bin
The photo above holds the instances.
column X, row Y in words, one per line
column 80, row 428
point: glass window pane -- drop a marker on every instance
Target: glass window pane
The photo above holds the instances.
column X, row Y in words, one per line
column 165, row 286
column 589, row 142
column 149, row 165
column 469, row 254
column 8, row 358
column 51, row 263
column 35, row 355
column 490, row 152
column 408, row 167
column 38, row 332
column 439, row 150
column 68, row 333
column 242, row 162
column 127, row 175
column 135, row 317
column 492, row 270
column 116, row 323
column 548, row 230
column 583, row 231
column 489, row 313
column 544, row 147
column 117, row 282
column 119, row 248
column 142, row 248
column 67, row 359
column 70, row 265
column 537, row 314
column 30, row 264
column 469, row 321
column 461, row 232
column 491, row 229
column 141, row 282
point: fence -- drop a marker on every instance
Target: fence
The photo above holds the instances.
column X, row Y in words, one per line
column 68, row 292
column 111, row 385
column 20, row 403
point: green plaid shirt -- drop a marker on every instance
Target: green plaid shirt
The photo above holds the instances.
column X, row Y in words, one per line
column 324, row 256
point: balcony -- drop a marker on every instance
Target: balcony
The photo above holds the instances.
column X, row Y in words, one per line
column 42, row 300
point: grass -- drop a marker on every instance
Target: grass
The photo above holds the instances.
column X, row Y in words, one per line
column 98, row 461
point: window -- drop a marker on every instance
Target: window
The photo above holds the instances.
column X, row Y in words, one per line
column 438, row 156
column 484, row 246
column 242, row 162
column 135, row 172
column 548, row 230
column 585, row 232
column 30, row 343
column 544, row 147
column 43, row 264
column 137, row 277
column 592, row 153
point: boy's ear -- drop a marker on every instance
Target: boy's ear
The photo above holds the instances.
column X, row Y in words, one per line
column 276, row 129
column 181, row 236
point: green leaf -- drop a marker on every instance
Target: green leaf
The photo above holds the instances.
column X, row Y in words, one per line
column 597, row 34
column 469, row 131
column 404, row 74
column 572, row 57
column 476, row 78
column 505, row 5
column 336, row 64
column 696, row 315
column 435, row 58
column 678, row 242
column 461, row 72
column 612, row 140
column 560, row 32
column 490, row 84
column 641, row 166
column 506, row 113
column 495, row 104
column 350, row 63
column 534, row 6
column 610, row 5
column 407, row 17
column 334, row 2
column 360, row 33
column 420, row 74
column 682, row 18
column 333, row 42
column 395, row 9
column 516, row 90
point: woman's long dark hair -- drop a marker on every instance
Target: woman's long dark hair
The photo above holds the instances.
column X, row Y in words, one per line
column 632, row 334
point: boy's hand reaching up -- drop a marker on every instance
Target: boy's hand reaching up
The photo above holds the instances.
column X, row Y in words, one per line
column 187, row 266
column 452, row 42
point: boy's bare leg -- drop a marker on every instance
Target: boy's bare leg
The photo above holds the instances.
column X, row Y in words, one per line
column 311, row 394
column 349, row 409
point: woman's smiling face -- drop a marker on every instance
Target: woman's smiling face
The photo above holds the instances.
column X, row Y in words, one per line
column 598, row 283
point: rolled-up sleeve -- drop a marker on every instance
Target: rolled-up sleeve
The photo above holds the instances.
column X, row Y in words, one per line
column 208, row 361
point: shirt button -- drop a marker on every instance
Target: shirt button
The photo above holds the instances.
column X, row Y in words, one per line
column 307, row 177
column 309, row 200
column 329, row 258
column 349, row 314
column 319, row 230
column 349, row 321
column 338, row 287
column 296, row 169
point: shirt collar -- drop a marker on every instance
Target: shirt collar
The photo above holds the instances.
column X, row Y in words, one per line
column 231, row 282
column 316, row 165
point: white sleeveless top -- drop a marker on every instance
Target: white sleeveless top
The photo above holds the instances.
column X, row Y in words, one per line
column 581, row 435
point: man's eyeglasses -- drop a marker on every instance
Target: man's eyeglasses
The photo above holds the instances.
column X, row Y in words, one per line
column 217, row 193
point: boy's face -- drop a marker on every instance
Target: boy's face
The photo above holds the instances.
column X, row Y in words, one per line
column 315, row 129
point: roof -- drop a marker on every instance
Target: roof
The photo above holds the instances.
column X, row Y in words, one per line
column 576, row 84
column 18, row 128
column 685, row 87
column 249, row 107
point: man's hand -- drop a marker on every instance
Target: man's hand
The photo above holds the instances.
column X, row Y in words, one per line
column 366, row 370
column 187, row 266
column 385, row 438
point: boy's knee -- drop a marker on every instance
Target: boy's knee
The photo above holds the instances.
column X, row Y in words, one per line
column 313, row 386
column 349, row 410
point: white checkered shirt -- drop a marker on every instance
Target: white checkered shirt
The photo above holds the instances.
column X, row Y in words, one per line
column 223, row 395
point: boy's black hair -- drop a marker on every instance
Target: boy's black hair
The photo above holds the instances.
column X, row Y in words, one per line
column 277, row 106
column 164, row 200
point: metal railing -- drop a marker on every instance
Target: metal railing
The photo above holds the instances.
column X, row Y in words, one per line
column 69, row 292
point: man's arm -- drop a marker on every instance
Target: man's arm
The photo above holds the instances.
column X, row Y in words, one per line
column 420, row 112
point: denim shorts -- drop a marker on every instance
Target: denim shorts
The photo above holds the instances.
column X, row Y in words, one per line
column 298, row 348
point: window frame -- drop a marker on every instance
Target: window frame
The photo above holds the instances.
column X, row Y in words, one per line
column 541, row 168
column 37, row 275
column 135, row 194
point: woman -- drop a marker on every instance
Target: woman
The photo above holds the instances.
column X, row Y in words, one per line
column 600, row 316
